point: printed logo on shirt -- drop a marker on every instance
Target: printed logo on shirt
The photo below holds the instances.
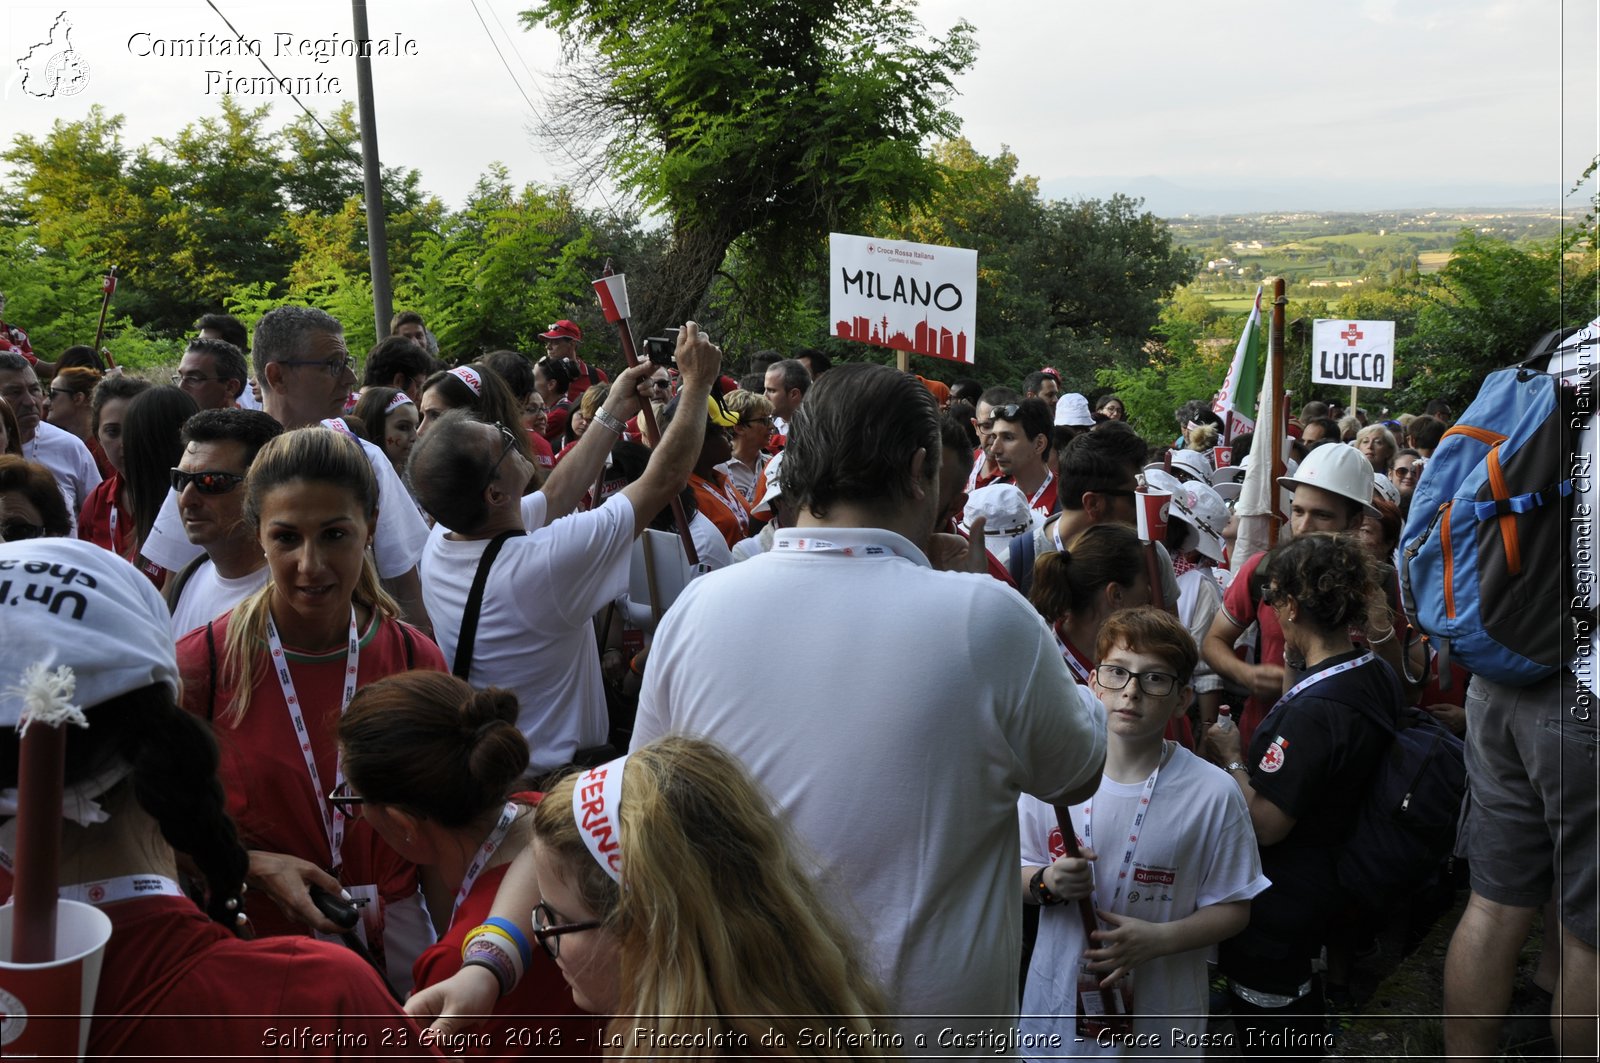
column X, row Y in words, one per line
column 1159, row 876
column 1057, row 848
column 1272, row 760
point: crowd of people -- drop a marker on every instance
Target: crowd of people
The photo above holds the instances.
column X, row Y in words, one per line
column 402, row 730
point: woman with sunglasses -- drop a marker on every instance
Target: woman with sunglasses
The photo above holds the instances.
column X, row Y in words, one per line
column 31, row 506
column 1309, row 765
column 674, row 901
column 431, row 764
column 273, row 676
column 141, row 781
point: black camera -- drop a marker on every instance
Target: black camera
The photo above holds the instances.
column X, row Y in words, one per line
column 662, row 350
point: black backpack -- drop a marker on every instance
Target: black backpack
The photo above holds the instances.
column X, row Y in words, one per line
column 1405, row 829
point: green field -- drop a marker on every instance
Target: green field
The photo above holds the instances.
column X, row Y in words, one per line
column 1238, row 303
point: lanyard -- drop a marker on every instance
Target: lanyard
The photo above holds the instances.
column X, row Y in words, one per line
column 822, row 546
column 486, row 850
column 332, row 818
column 107, row 891
column 1133, row 831
column 1317, row 677
column 730, row 500
column 1079, row 668
column 1049, row 478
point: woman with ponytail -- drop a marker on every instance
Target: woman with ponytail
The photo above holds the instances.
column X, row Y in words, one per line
column 431, row 763
column 283, row 664
column 674, row 901
column 141, row 788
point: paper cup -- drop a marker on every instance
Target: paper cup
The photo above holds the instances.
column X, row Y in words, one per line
column 1221, row 457
column 1153, row 509
column 45, row 1008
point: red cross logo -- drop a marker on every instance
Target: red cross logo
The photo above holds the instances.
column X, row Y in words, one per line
column 1351, row 335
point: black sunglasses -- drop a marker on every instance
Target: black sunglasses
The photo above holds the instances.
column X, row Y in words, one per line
column 207, row 482
column 1006, row 413
column 14, row 531
column 508, row 440
column 346, row 801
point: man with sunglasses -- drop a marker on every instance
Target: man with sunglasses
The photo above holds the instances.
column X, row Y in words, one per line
column 306, row 373
column 543, row 580
column 1020, row 446
column 218, row 448
column 985, row 470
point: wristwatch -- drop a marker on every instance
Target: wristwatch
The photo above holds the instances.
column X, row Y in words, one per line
column 1238, row 766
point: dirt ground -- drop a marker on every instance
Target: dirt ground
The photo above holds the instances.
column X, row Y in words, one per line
column 1398, row 993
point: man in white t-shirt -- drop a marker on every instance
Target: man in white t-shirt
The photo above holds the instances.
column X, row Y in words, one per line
column 534, row 633
column 63, row 453
column 306, row 374
column 924, row 703
column 218, row 447
column 1189, row 856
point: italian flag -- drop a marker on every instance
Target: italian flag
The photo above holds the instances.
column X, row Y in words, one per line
column 1236, row 402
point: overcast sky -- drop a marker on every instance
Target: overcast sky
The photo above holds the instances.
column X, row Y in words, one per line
column 1288, row 104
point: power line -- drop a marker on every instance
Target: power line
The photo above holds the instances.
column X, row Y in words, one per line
column 532, row 108
column 284, row 81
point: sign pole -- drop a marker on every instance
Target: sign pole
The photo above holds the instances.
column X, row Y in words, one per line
column 1353, row 402
column 902, row 361
column 1278, row 427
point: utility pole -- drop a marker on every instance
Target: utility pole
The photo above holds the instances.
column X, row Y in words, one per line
column 372, row 177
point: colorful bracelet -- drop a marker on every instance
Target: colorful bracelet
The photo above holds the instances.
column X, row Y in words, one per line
column 496, row 963
column 514, row 932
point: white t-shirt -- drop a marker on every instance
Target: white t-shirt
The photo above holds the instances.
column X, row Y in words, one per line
column 1199, row 598
column 396, row 543
column 534, row 635
column 902, row 712
column 207, row 596
column 1196, row 848
column 69, row 461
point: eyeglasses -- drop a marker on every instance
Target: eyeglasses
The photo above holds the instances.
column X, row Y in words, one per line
column 1008, row 412
column 194, row 380
column 13, row 531
column 508, row 441
column 758, row 420
column 547, row 932
column 1404, row 472
column 346, row 801
column 334, row 369
column 1156, row 684
column 207, row 482
column 661, row 385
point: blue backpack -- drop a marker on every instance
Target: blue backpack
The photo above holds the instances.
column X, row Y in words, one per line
column 1486, row 541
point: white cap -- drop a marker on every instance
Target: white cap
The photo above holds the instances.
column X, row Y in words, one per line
column 1338, row 469
column 74, row 615
column 1072, row 409
column 1228, row 474
column 1192, row 462
column 1007, row 516
column 1385, row 489
column 1202, row 508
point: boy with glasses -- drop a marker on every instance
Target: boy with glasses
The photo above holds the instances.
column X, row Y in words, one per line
column 1173, row 872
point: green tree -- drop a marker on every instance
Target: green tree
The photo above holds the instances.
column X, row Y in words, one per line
column 760, row 119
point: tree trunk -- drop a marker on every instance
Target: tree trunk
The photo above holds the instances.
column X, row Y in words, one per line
column 686, row 272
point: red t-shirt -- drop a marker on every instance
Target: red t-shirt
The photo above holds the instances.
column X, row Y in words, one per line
column 722, row 506
column 543, row 456
column 264, row 772
column 1241, row 609
column 543, row 990
column 101, row 514
column 175, row 983
column 14, row 339
column 556, row 422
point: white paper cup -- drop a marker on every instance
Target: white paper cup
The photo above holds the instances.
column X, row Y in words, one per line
column 46, row 1007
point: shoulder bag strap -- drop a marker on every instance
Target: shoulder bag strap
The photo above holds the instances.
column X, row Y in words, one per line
column 469, row 617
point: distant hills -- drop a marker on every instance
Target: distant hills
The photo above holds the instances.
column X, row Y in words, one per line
column 1171, row 199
